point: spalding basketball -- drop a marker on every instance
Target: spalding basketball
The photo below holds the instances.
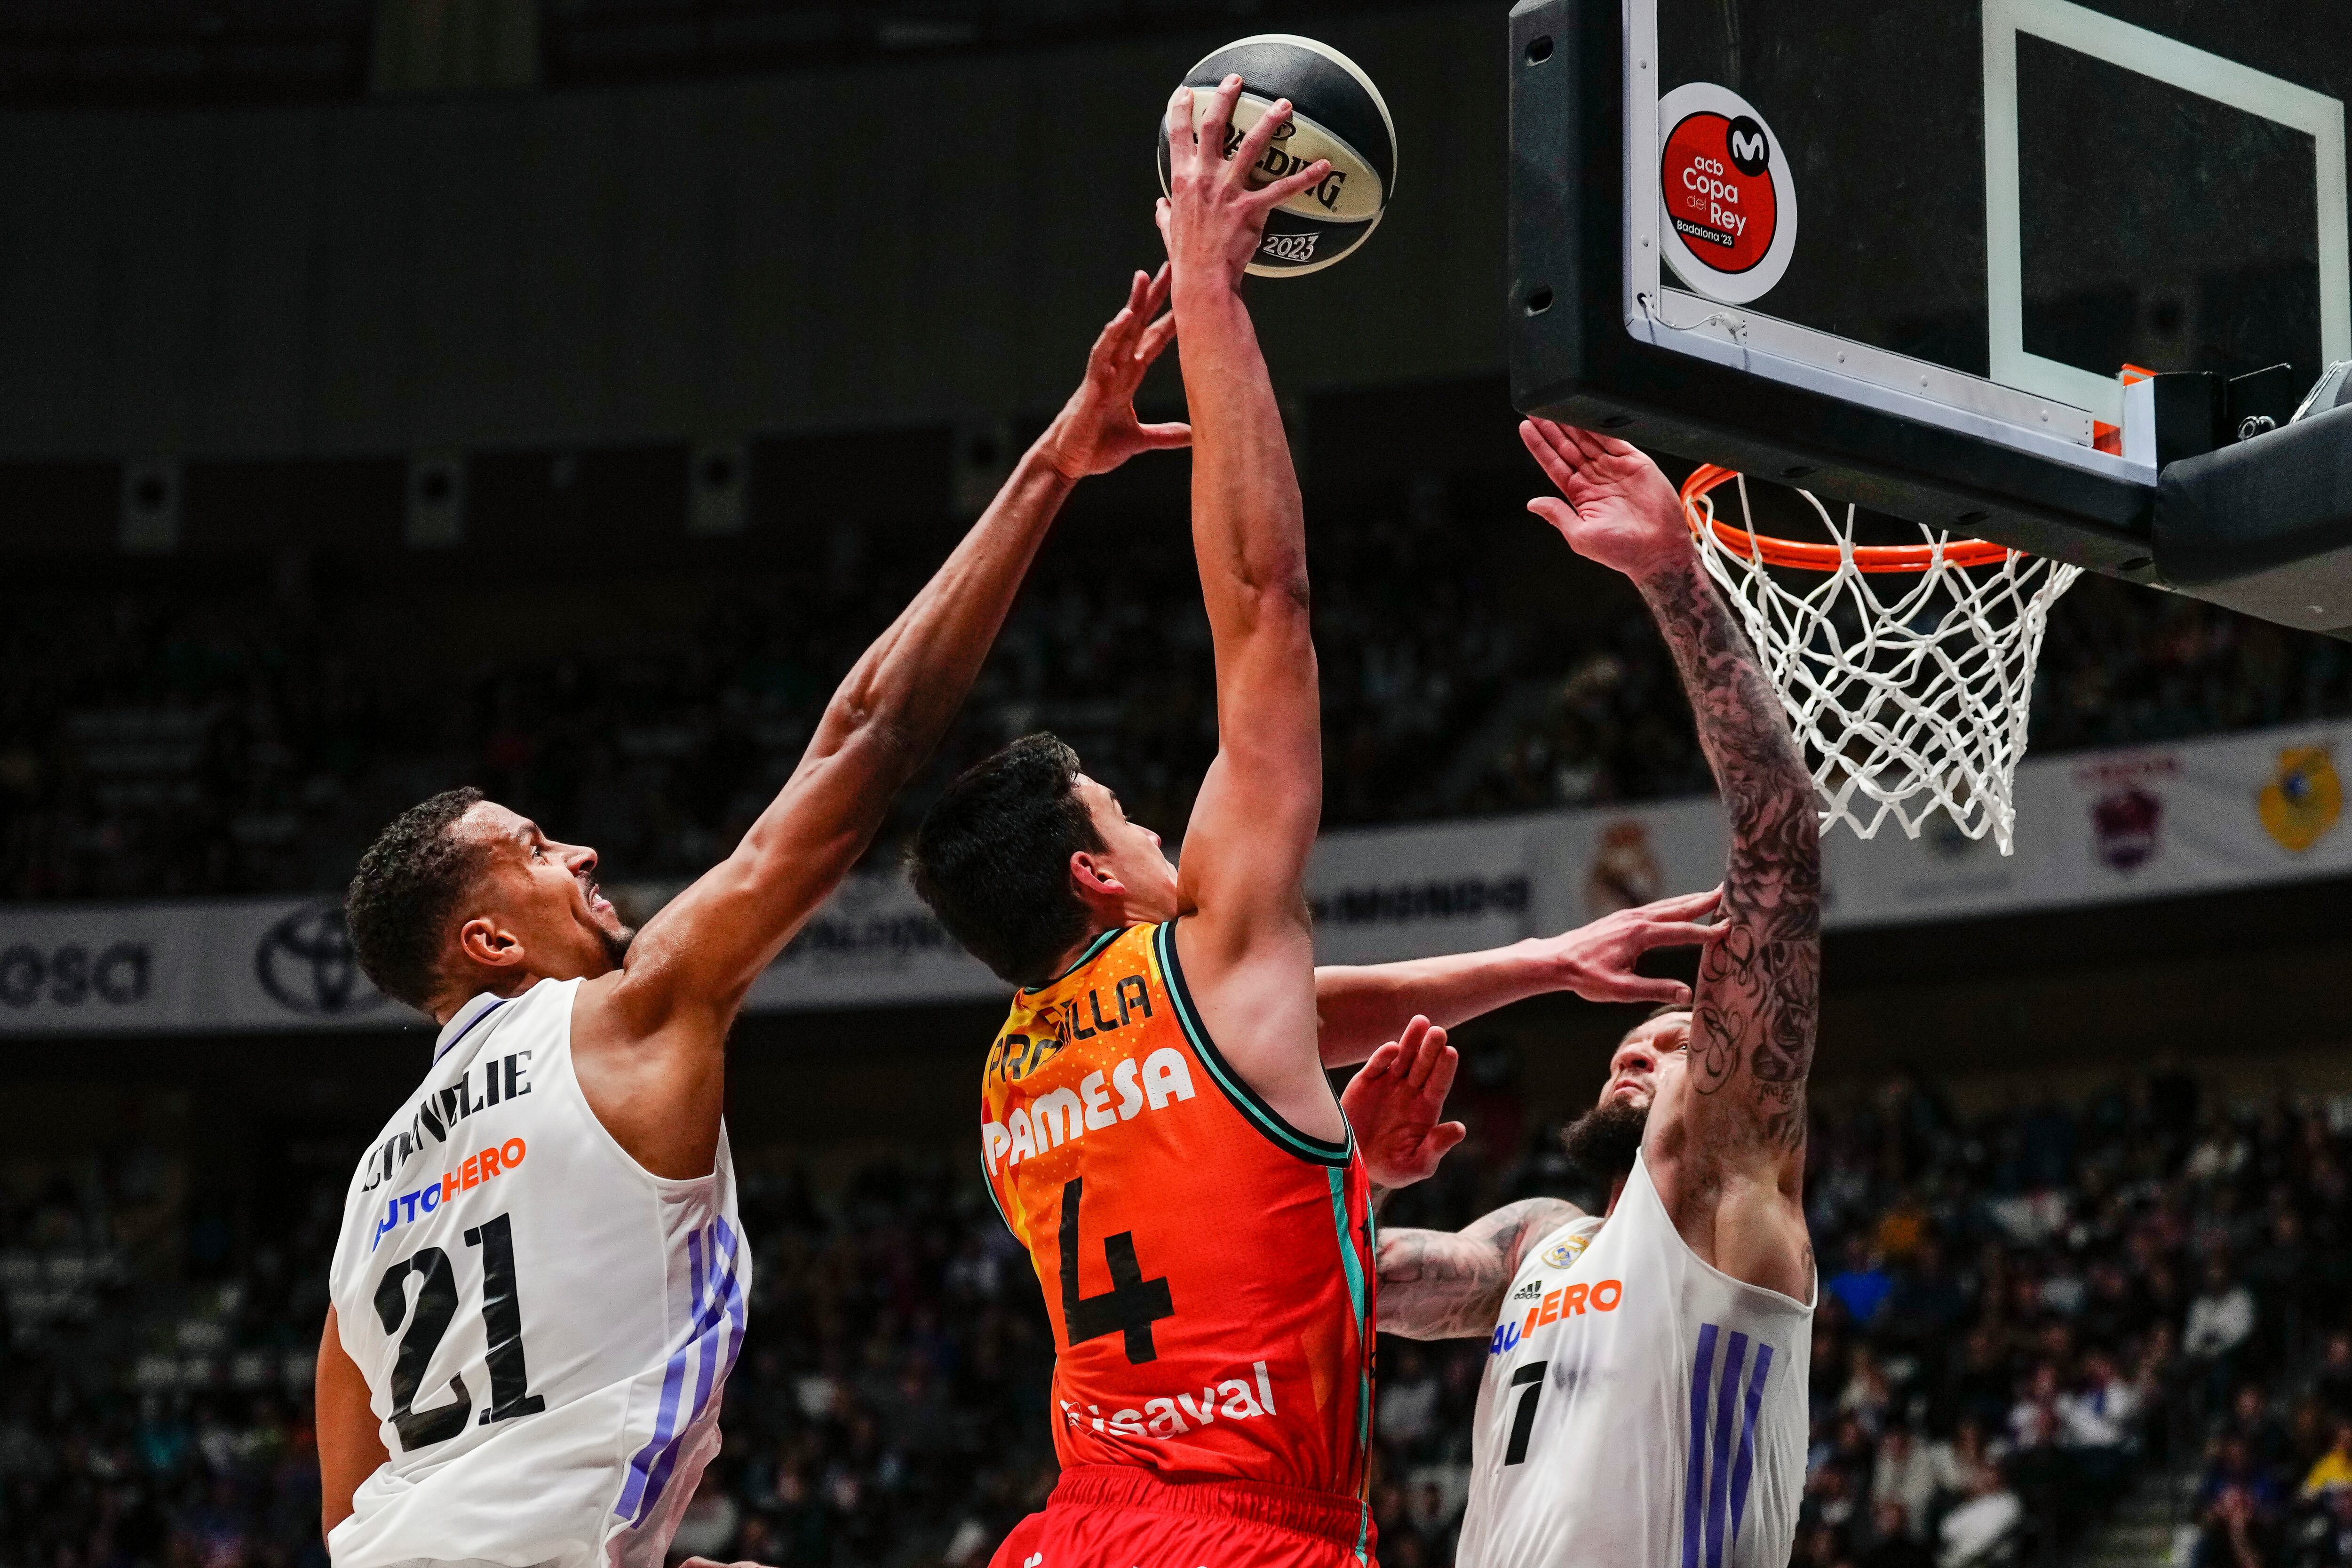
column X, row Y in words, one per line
column 1336, row 113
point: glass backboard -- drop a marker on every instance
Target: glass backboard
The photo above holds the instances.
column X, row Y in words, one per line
column 1901, row 252
column 1979, row 211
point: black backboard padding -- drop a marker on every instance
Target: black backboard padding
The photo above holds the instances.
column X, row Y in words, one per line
column 2265, row 525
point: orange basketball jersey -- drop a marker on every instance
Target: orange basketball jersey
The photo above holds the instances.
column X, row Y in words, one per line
column 1209, row 1270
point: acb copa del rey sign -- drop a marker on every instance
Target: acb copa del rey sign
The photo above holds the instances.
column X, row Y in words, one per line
column 2093, row 827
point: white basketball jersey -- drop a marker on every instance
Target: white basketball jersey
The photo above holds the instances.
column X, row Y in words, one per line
column 1640, row 1408
column 544, row 1326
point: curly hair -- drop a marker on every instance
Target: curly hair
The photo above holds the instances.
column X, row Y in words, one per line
column 992, row 857
column 406, row 887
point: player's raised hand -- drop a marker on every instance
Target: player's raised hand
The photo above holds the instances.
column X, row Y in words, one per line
column 1212, row 216
column 1096, row 429
column 1394, row 1102
column 1596, row 961
column 1618, row 509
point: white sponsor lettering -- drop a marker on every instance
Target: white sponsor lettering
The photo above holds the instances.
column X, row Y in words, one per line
column 1715, row 190
column 1165, row 1076
column 1099, row 1114
column 1166, row 1415
column 1061, row 1115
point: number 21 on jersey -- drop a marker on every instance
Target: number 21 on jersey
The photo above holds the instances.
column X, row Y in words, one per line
column 428, row 1317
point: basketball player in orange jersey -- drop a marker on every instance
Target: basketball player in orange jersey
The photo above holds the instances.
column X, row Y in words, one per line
column 1157, row 1129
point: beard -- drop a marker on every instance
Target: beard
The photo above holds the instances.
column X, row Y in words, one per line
column 1604, row 1140
column 616, row 943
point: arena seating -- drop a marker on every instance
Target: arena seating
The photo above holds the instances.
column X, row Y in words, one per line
column 2025, row 1309
column 168, row 740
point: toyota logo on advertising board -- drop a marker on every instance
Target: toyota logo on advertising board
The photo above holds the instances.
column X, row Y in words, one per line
column 307, row 964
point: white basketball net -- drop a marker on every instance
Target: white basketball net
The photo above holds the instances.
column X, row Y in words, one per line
column 1909, row 688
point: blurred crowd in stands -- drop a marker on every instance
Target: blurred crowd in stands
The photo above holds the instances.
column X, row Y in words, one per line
column 173, row 741
column 2027, row 1315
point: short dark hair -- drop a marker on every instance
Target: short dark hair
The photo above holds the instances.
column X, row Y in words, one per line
column 406, row 887
column 992, row 857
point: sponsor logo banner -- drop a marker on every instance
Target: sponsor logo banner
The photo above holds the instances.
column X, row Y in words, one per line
column 241, row 964
column 2092, row 827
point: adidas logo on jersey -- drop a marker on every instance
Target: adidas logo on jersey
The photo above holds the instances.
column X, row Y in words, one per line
column 1530, row 1291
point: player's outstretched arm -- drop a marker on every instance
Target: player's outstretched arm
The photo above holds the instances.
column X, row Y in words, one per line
column 1434, row 1284
column 1245, row 942
column 687, row 971
column 1736, row 1128
column 1359, row 1005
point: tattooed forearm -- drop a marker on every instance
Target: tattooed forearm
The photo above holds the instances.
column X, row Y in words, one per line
column 1758, row 998
column 1443, row 1284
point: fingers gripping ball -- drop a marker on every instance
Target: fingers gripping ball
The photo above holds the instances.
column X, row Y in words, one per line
column 1335, row 114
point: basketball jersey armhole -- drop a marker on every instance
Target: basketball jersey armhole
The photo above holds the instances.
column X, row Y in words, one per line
column 1243, row 1099
column 1767, row 1298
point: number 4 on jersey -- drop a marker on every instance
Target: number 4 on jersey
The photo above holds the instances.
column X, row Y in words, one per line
column 1130, row 1306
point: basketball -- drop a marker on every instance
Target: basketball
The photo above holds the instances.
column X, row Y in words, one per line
column 1337, row 114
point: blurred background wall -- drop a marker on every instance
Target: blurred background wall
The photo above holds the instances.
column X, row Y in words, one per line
column 879, row 242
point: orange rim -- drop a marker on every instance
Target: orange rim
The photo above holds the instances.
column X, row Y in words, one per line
column 1828, row 557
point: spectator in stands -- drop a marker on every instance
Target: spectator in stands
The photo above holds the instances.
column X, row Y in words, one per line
column 2334, row 1383
column 2238, row 1532
column 2333, row 1470
column 1863, row 1284
column 2220, row 1321
column 2325, row 1539
column 1904, row 1476
column 1984, row 1519
column 2098, row 1425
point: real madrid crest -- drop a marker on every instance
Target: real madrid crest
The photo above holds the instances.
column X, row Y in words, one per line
column 1566, row 1253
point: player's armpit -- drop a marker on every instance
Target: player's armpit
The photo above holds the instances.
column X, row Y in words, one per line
column 351, row 1442
column 1443, row 1285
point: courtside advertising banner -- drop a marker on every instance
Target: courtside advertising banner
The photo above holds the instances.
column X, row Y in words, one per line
column 2093, row 827
column 215, row 964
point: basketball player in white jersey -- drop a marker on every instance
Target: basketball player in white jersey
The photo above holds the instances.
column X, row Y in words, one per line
column 1644, row 1404
column 539, row 1284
